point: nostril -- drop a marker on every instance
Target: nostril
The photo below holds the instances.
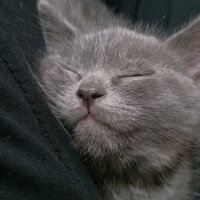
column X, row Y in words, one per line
column 89, row 94
column 81, row 94
column 96, row 95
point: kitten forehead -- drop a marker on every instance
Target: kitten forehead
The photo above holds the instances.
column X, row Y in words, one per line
column 118, row 31
column 112, row 37
column 118, row 48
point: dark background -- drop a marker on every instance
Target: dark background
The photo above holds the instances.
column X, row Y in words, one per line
column 168, row 14
column 36, row 160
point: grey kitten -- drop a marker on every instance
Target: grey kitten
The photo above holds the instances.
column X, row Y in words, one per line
column 131, row 101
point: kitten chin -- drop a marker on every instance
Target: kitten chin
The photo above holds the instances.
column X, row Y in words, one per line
column 131, row 101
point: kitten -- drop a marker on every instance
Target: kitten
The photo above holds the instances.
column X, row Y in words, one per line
column 131, row 101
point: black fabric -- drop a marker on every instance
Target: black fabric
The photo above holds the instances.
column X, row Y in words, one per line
column 36, row 160
column 168, row 15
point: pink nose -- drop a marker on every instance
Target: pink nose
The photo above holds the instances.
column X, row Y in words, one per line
column 89, row 92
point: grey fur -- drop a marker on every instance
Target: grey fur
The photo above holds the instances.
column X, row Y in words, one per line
column 140, row 140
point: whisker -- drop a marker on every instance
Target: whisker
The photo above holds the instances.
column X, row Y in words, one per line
column 38, row 82
column 29, row 67
column 20, row 50
column 22, row 20
column 157, row 23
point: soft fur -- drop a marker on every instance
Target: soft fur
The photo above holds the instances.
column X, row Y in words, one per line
column 140, row 137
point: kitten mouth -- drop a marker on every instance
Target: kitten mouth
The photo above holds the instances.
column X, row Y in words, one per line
column 89, row 117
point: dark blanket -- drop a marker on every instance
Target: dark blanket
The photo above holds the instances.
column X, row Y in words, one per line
column 168, row 15
column 36, row 160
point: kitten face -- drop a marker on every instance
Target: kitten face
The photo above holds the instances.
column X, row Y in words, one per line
column 122, row 94
column 141, row 108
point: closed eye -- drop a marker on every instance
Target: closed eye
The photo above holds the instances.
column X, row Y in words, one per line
column 136, row 76
column 73, row 71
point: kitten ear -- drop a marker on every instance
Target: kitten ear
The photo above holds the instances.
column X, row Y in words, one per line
column 187, row 43
column 56, row 29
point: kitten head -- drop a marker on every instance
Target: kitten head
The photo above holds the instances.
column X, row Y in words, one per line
column 123, row 94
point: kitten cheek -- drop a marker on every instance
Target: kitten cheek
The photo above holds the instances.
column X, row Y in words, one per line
column 69, row 106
